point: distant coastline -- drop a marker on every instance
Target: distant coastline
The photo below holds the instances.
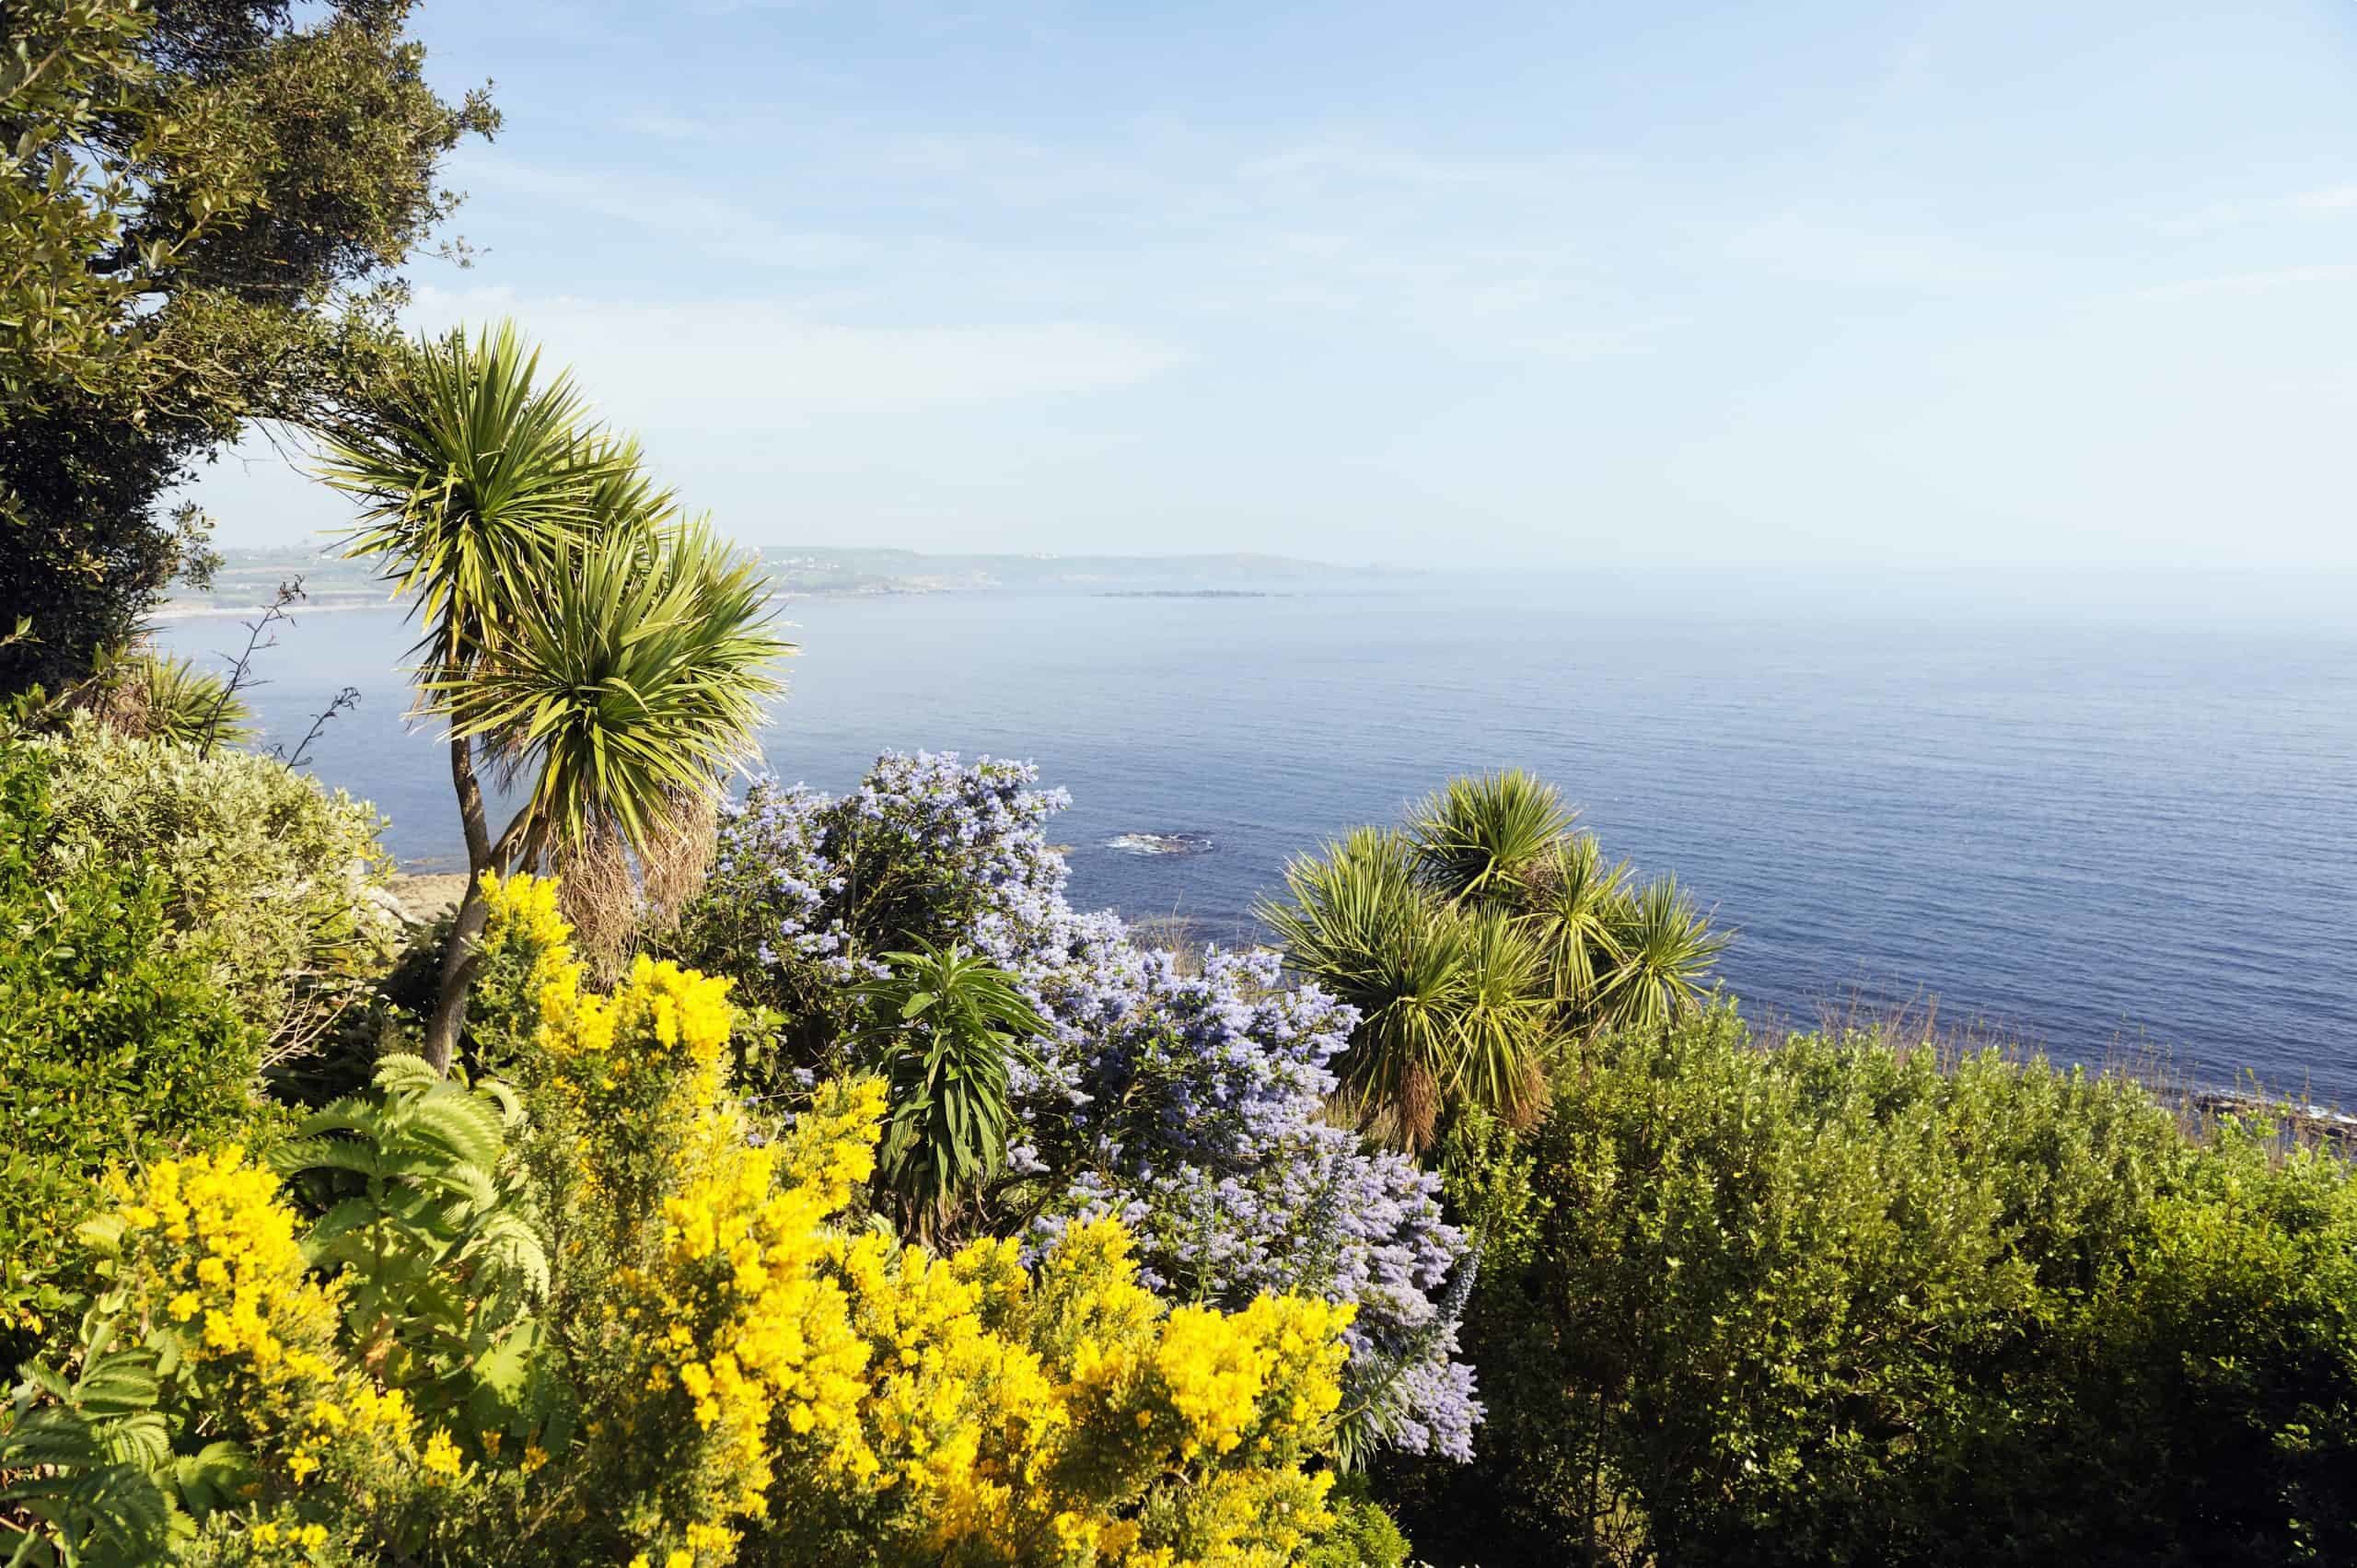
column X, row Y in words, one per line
column 247, row 578
column 1191, row 592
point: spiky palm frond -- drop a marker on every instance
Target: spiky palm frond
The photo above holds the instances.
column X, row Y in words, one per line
column 151, row 696
column 1478, row 836
column 1571, row 899
column 948, row 1026
column 638, row 681
column 1507, row 1020
column 1667, row 947
column 473, row 473
column 1351, row 920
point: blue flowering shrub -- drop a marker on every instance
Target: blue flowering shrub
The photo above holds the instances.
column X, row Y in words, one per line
column 1186, row 1098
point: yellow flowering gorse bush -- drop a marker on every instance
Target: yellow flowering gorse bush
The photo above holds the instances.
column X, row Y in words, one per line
column 205, row 1268
column 810, row 1380
column 760, row 1372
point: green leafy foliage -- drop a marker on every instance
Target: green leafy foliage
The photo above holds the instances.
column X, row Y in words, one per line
column 201, row 206
column 95, row 1465
column 1361, row 1536
column 116, row 1045
column 1841, row 1301
column 275, row 884
column 92, row 1462
column 429, row 1224
column 946, row 1026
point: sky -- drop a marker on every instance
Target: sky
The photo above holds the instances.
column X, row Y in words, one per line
column 1984, row 287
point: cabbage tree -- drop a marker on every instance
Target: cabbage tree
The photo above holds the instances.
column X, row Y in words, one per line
column 607, row 657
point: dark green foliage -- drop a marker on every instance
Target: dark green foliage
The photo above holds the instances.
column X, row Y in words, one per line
column 1834, row 1302
column 201, row 208
column 115, row 1046
column 944, row 1027
column 92, row 1457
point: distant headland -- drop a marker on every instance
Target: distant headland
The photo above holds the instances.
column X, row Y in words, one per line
column 248, row 578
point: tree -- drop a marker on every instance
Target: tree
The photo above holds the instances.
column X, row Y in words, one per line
column 1474, row 937
column 1451, row 1002
column 603, row 653
column 203, row 205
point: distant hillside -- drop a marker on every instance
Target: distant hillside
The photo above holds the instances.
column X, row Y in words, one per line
column 813, row 569
column 248, row 578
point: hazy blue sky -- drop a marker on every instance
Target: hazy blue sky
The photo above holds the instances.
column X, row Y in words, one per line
column 1966, row 285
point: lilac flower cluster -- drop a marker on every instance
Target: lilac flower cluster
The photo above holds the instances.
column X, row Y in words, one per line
column 769, row 858
column 1189, row 1102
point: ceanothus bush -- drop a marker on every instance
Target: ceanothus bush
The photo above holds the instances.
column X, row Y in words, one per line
column 1188, row 1099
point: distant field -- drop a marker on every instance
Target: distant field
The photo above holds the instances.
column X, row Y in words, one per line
column 248, row 578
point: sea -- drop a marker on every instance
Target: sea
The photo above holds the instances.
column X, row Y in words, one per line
column 2118, row 843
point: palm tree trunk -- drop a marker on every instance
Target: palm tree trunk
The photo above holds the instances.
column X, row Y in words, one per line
column 459, row 956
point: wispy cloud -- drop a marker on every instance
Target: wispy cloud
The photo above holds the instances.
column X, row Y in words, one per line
column 717, row 227
column 1481, row 254
column 751, row 363
column 2264, row 282
column 2322, row 202
column 1844, row 253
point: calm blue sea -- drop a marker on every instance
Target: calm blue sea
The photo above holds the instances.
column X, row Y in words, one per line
column 2099, row 839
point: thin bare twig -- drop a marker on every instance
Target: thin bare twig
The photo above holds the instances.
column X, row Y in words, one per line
column 257, row 637
column 341, row 702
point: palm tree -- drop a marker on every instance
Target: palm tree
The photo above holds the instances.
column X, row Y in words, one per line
column 640, row 679
column 1449, row 1001
column 1470, row 941
column 603, row 654
column 167, row 699
column 947, row 1025
column 1508, row 1019
column 1478, row 836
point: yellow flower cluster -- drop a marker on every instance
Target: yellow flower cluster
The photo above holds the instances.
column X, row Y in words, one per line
column 965, row 1422
column 205, row 1250
column 680, row 1014
column 522, row 911
column 1268, row 1372
column 755, row 1329
column 287, row 1540
column 794, row 1375
column 209, row 1244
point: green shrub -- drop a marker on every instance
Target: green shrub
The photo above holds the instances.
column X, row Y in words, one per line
column 1841, row 1302
column 1362, row 1534
column 277, row 884
column 115, row 1045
